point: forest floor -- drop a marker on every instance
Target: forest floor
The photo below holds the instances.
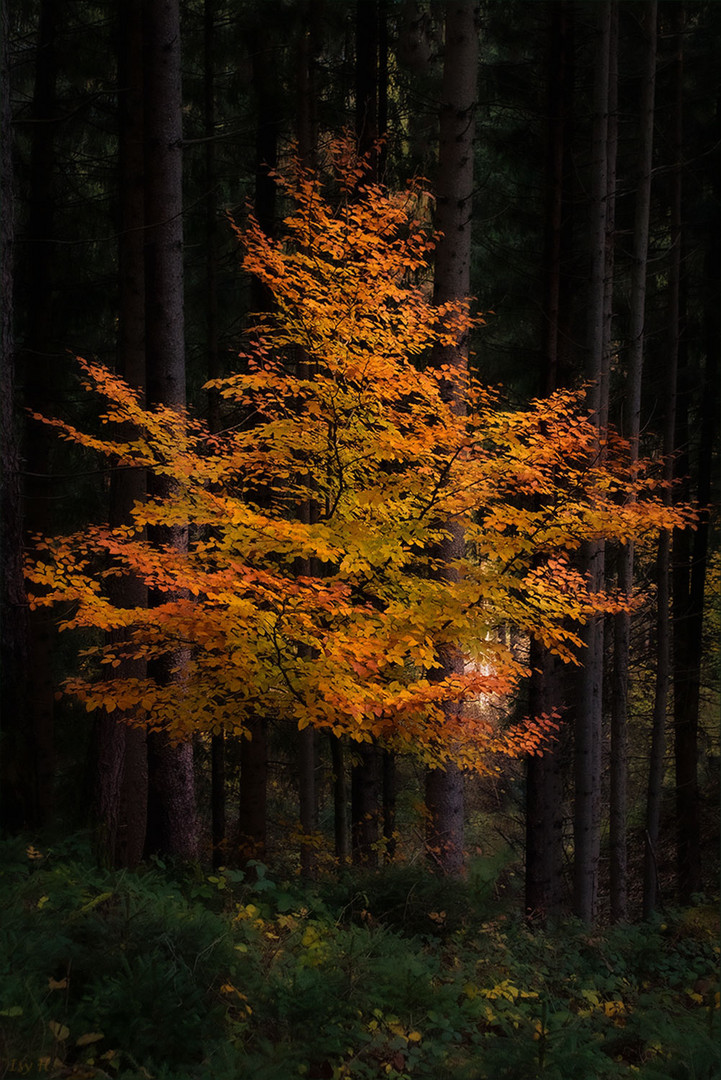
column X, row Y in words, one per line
column 180, row 973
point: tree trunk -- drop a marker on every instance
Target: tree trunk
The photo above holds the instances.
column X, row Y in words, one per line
column 544, row 886
column 631, row 428
column 14, row 752
column 40, row 366
column 589, row 712
column 218, row 816
column 172, row 825
column 390, row 788
column 365, row 799
column 340, row 800
column 119, row 753
column 544, row 892
column 252, row 816
column 307, row 132
column 366, row 770
column 690, row 555
column 444, row 787
column 657, row 755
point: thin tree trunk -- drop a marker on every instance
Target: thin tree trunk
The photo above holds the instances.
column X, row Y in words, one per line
column 589, row 712
column 13, row 599
column 252, row 808
column 218, row 815
column 340, row 801
column 631, row 428
column 366, row 770
column 657, row 756
column 40, row 364
column 119, row 752
column 544, row 886
column 307, row 132
column 390, row 787
column 365, row 800
column 690, row 556
column 444, row 787
column 172, row 827
column 544, row 891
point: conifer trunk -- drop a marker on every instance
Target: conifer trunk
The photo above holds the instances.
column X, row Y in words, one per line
column 454, row 189
column 253, row 803
column 119, row 752
column 690, row 556
column 366, row 769
column 589, row 709
column 657, row 754
column 13, row 600
column 40, row 363
column 218, row 814
column 544, row 886
column 631, row 428
column 171, row 798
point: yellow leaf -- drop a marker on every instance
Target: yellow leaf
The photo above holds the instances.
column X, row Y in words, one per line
column 59, row 1030
column 89, row 1037
column 57, row 984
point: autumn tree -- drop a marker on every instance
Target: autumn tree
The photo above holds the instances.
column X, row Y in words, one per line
column 393, row 467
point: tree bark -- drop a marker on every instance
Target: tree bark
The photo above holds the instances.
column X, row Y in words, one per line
column 690, row 556
column 365, row 804
column 544, row 886
column 631, row 428
column 119, row 752
column 444, row 787
column 307, row 132
column 218, row 814
column 366, row 770
column 589, row 712
column 657, row 754
column 172, row 825
column 252, row 808
column 340, row 800
column 40, row 363
column 13, row 599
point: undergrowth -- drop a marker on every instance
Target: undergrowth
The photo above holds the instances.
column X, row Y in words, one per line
column 175, row 973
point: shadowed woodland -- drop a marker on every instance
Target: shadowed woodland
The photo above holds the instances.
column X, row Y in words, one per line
column 359, row 712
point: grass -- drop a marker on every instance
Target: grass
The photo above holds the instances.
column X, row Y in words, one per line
column 176, row 973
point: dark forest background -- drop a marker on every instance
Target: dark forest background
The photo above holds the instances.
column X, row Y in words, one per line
column 594, row 253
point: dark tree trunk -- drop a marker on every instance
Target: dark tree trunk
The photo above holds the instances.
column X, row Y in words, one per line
column 119, row 752
column 690, row 556
column 340, row 800
column 14, row 753
column 41, row 360
column 444, row 787
column 218, row 813
column 544, row 775
column 589, row 710
column 545, row 891
column 252, row 810
column 631, row 429
column 657, row 755
column 365, row 801
column 366, row 771
column 172, row 825
column 390, row 790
